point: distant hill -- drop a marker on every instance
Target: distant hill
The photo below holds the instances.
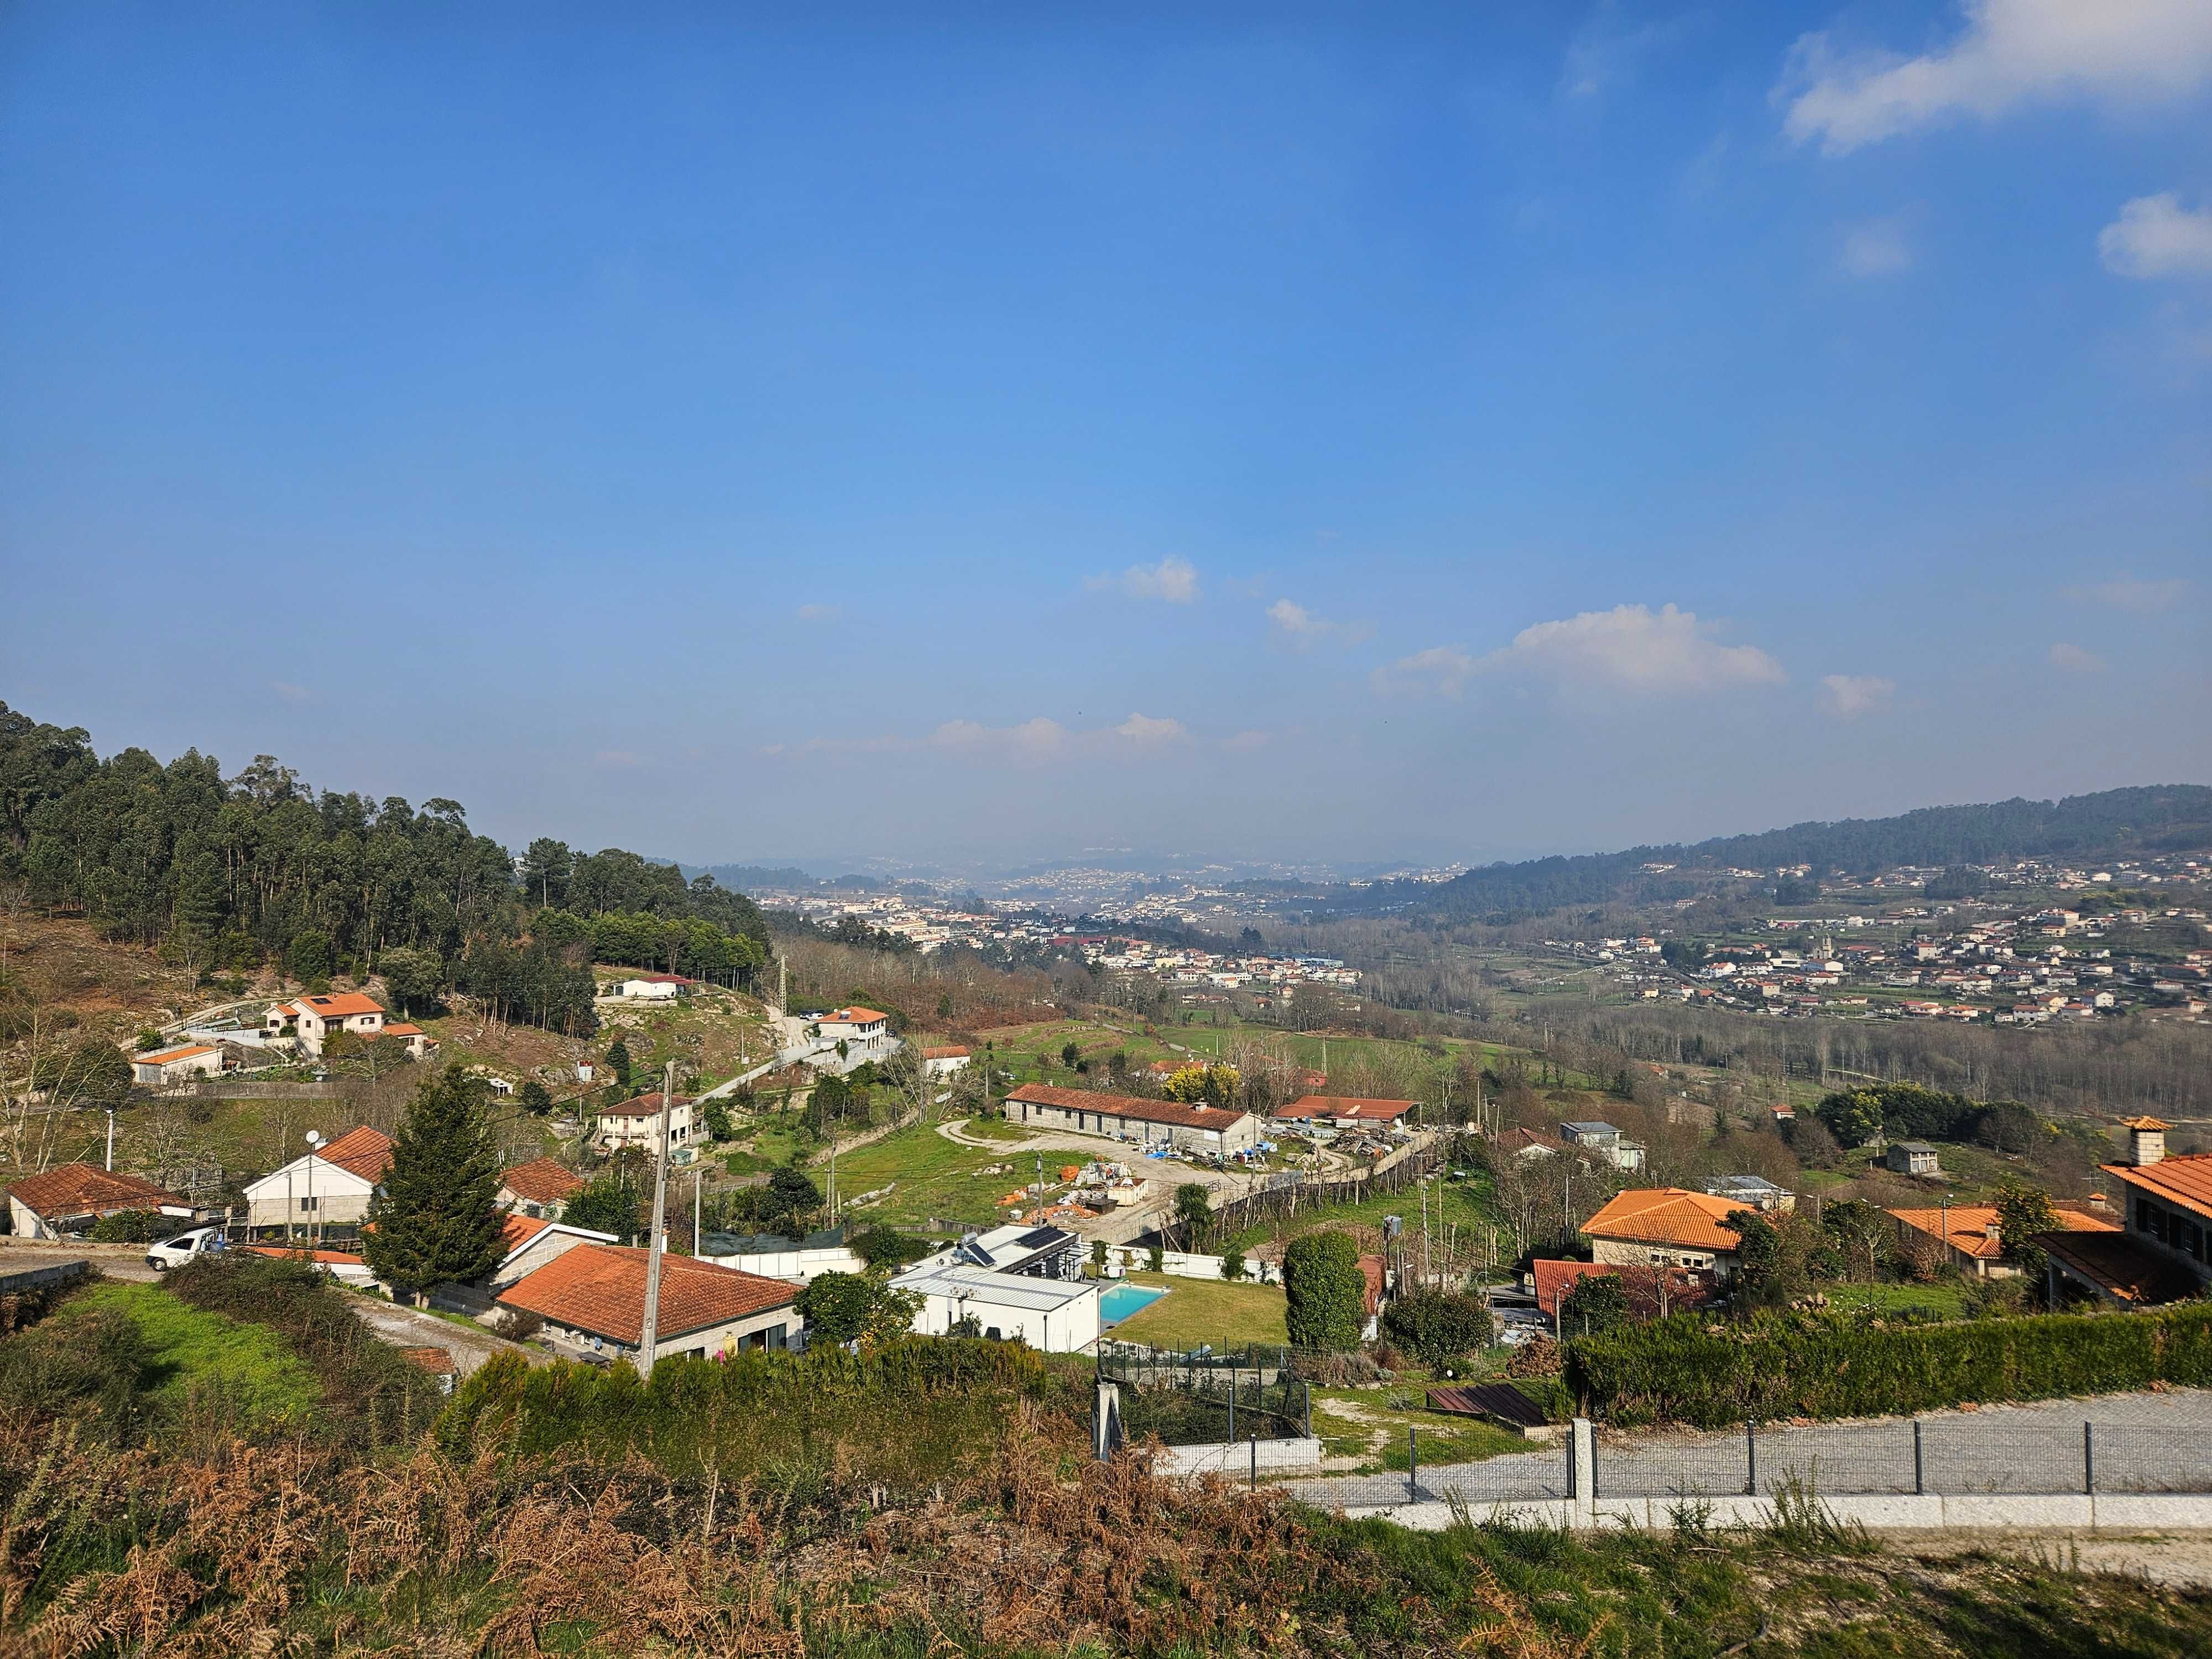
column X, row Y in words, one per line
column 2157, row 817
column 744, row 878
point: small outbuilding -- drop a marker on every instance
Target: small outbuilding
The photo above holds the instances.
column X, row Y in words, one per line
column 1913, row 1157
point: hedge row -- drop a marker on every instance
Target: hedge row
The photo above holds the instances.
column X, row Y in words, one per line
column 1683, row 1369
column 911, row 1411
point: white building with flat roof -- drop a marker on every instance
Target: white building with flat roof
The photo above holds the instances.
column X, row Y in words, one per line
column 1053, row 1315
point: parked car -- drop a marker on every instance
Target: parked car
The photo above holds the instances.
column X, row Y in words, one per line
column 175, row 1252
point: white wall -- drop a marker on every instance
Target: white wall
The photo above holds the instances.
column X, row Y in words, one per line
column 1184, row 1264
column 797, row 1266
column 1069, row 1328
column 340, row 1195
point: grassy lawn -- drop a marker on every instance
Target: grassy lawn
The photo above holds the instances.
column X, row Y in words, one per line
column 1945, row 1300
column 260, row 1380
column 1371, row 1425
column 1197, row 1311
column 935, row 1176
column 1450, row 1203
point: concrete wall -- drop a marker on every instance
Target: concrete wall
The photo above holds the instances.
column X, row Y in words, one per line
column 1072, row 1327
column 799, row 1267
column 2133, row 1512
column 1184, row 1264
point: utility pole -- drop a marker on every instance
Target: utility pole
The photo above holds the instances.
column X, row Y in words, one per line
column 698, row 1175
column 650, row 1338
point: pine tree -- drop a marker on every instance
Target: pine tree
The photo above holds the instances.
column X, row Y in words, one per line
column 436, row 1219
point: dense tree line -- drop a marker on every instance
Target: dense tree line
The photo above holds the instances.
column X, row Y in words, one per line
column 230, row 872
column 2115, row 820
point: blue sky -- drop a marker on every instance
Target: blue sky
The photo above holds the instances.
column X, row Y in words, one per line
column 1259, row 431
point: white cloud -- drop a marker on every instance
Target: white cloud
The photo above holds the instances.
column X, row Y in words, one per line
column 1632, row 648
column 1144, row 729
column 2011, row 51
column 2075, row 660
column 1605, row 53
column 2156, row 236
column 1440, row 670
column 1302, row 629
column 1877, row 247
column 2129, row 593
column 1173, row 580
column 1038, row 740
column 1848, row 695
column 819, row 612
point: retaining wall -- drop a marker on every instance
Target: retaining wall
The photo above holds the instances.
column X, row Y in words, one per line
column 2131, row 1512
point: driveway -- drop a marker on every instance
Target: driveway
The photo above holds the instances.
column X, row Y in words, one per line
column 470, row 1344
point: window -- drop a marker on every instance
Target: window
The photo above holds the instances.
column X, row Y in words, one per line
column 311, row 1203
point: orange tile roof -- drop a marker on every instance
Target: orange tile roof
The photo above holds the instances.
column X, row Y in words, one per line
column 439, row 1362
column 2144, row 1123
column 401, row 1028
column 853, row 1017
column 1970, row 1226
column 1555, row 1278
column 600, row 1289
column 341, row 1005
column 950, row 1051
column 2124, row 1269
column 363, row 1151
column 1172, row 1112
column 166, row 1054
column 75, row 1189
column 1376, row 1111
column 327, row 1258
column 517, row 1230
column 542, row 1180
column 2185, row 1180
column 1668, row 1215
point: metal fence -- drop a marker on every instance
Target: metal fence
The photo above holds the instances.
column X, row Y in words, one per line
column 1207, row 1396
column 1950, row 1457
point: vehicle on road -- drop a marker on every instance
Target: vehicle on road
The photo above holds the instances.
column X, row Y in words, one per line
column 175, row 1252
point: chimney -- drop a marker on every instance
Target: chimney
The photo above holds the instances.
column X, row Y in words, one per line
column 1990, row 1232
column 2146, row 1139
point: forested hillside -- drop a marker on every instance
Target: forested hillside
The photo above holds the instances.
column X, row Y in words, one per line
column 2152, row 818
column 225, row 873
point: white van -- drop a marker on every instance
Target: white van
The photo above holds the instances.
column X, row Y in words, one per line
column 175, row 1252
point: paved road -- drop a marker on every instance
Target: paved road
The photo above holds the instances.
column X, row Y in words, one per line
column 2139, row 1442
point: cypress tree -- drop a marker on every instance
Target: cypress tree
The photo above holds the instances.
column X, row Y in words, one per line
column 1325, row 1293
column 436, row 1218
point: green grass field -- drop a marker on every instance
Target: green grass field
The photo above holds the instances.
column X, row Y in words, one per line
column 1197, row 1311
column 1371, row 1425
column 258, row 1378
column 935, row 1176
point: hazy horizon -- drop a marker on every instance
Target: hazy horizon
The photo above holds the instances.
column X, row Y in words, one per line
column 971, row 439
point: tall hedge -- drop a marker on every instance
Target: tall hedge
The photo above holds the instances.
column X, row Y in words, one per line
column 1682, row 1370
column 1324, row 1292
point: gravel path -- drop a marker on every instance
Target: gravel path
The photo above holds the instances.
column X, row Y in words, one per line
column 2138, row 1443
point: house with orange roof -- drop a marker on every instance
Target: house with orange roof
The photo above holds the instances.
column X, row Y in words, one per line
column 1666, row 1227
column 309, row 1021
column 176, row 1065
column 1970, row 1235
column 2163, row 1251
column 539, row 1187
column 330, row 1185
column 71, row 1197
column 853, row 1025
column 1346, row 1112
column 593, row 1296
column 944, row 1059
column 1127, row 1117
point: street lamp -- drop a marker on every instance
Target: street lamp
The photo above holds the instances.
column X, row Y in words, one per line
column 314, row 1142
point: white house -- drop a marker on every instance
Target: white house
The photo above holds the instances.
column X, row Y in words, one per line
column 944, row 1061
column 637, row 1123
column 331, row 1185
column 166, row 1065
column 1603, row 1140
column 1055, row 1316
column 853, row 1025
column 309, row 1021
column 653, row 987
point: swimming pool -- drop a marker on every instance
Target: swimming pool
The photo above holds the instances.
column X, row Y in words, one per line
column 1118, row 1304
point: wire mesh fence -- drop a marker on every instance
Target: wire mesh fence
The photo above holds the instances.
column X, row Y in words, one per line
column 1207, row 1396
column 1950, row 1458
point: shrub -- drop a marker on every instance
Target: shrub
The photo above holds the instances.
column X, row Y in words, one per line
column 1325, row 1291
column 1598, row 1302
column 846, row 1307
column 130, row 1227
column 1435, row 1326
column 1232, row 1263
column 1825, row 1364
column 882, row 1247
